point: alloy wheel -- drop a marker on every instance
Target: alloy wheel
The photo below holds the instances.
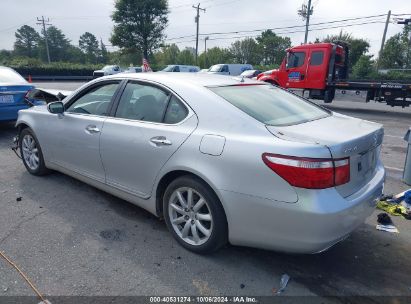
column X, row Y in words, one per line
column 190, row 216
column 30, row 152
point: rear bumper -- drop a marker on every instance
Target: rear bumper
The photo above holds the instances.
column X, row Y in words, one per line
column 10, row 113
column 317, row 221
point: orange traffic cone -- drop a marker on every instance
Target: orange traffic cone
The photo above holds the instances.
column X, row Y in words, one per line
column 30, row 81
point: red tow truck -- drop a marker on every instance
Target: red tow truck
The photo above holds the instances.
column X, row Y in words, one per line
column 322, row 68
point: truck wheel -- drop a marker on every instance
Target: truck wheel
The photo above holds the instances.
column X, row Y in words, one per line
column 329, row 95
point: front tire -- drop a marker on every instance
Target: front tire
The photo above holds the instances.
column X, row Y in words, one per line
column 31, row 153
column 194, row 215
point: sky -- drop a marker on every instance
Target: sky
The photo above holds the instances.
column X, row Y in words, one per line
column 74, row 17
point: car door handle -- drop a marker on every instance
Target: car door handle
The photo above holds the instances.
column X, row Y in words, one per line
column 92, row 129
column 160, row 141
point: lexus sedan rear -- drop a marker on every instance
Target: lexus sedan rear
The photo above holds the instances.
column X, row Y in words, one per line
column 222, row 159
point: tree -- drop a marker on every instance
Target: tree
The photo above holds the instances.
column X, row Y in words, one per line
column 363, row 67
column 273, row 47
column 103, row 58
column 186, row 57
column 74, row 54
column 397, row 51
column 246, row 51
column 27, row 40
column 167, row 55
column 59, row 45
column 215, row 55
column 357, row 46
column 139, row 24
column 89, row 45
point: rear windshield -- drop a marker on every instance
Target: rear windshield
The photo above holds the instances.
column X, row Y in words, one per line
column 270, row 105
column 10, row 76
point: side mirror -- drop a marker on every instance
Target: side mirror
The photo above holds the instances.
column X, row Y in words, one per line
column 56, row 107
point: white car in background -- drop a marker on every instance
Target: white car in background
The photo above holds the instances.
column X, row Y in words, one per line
column 229, row 69
column 181, row 68
column 107, row 70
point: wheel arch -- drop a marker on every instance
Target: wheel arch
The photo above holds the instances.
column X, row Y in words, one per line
column 170, row 176
column 21, row 126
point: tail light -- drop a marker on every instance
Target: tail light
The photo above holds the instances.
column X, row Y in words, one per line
column 309, row 173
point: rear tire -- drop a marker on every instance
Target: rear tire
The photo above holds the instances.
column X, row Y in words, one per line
column 194, row 215
column 31, row 153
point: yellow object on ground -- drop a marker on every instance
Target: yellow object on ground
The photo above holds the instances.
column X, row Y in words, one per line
column 393, row 209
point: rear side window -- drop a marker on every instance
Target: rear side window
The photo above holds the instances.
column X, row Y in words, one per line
column 295, row 59
column 176, row 111
column 317, row 58
column 270, row 105
column 142, row 102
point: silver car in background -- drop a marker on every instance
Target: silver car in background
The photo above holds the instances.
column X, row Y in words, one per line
column 222, row 159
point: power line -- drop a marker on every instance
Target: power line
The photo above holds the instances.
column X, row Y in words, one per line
column 279, row 28
column 288, row 32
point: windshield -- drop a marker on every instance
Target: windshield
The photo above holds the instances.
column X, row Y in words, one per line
column 10, row 76
column 216, row 68
column 168, row 68
column 270, row 105
column 248, row 73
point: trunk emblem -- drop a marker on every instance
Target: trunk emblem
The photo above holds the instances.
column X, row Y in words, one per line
column 350, row 150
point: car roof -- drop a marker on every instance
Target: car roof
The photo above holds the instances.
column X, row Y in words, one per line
column 199, row 79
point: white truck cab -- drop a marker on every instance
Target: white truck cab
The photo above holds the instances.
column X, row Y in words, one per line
column 107, row 70
column 181, row 68
column 229, row 69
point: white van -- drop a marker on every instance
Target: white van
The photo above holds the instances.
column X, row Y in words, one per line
column 229, row 69
column 181, row 68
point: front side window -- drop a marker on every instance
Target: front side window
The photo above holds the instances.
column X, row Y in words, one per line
column 176, row 68
column 224, row 69
column 270, row 105
column 317, row 58
column 95, row 101
column 295, row 59
column 142, row 102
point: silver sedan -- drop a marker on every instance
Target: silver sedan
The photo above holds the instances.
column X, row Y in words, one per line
column 222, row 159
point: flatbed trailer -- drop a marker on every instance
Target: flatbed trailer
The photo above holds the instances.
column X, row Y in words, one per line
column 322, row 68
column 392, row 93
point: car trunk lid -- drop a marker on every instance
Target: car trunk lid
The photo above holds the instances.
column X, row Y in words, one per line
column 344, row 136
column 13, row 95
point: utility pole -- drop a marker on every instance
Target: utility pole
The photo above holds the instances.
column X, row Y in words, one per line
column 205, row 49
column 44, row 22
column 306, row 12
column 383, row 37
column 197, row 20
